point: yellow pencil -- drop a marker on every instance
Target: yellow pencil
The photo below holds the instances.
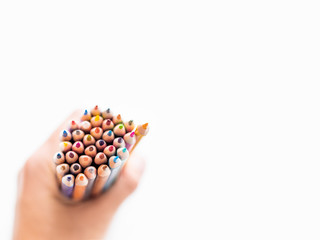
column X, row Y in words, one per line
column 140, row 132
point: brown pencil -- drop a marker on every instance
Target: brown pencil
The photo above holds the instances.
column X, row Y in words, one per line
column 71, row 157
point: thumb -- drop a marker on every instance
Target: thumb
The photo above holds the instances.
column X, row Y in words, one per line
column 126, row 183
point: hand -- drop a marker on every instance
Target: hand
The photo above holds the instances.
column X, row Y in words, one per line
column 43, row 213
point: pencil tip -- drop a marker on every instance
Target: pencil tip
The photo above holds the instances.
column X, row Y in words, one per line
column 64, row 133
column 101, row 142
column 73, row 122
column 78, row 144
column 85, row 112
column 108, row 122
column 71, row 154
column 120, row 126
column 145, row 126
column 89, row 138
column 81, row 178
column 69, row 179
column 97, row 130
column 116, row 159
column 132, row 134
column 58, row 155
column 109, row 133
column 120, row 140
column 108, row 110
column 111, row 148
column 96, row 107
column 124, row 150
column 119, row 116
column 130, row 122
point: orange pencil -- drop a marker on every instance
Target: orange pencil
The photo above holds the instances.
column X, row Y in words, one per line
column 65, row 136
column 80, row 185
column 141, row 131
column 85, row 161
column 91, row 151
column 102, row 178
column 117, row 119
column 129, row 126
column 71, row 157
column 85, row 126
column 77, row 135
column 58, row 158
column 96, row 132
column 61, row 170
column 86, row 116
column 107, row 114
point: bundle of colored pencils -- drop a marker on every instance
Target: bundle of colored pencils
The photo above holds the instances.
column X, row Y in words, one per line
column 93, row 151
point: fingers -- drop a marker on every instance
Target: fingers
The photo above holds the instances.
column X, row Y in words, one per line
column 126, row 183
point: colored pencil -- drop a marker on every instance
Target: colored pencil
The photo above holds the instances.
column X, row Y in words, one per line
column 101, row 145
column 67, row 184
column 107, row 125
column 123, row 154
column 96, row 132
column 119, row 130
column 100, row 158
column 91, row 173
column 75, row 168
column 65, row 135
column 86, row 116
column 129, row 126
column 109, row 151
column 108, row 136
column 107, row 114
column 88, row 140
column 102, row 178
column 119, row 142
column 85, row 161
column 61, row 170
column 117, row 119
column 80, row 186
column 77, row 135
column 58, row 158
column 96, row 121
column 141, row 131
column 73, row 125
column 71, row 157
column 78, row 147
column 115, row 165
column 95, row 111
column 65, row 146
column 85, row 126
column 130, row 140
column 91, row 151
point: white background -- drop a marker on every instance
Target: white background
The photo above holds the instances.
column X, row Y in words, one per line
column 230, row 88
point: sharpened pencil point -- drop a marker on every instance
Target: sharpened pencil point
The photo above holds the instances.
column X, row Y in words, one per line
column 65, row 144
column 73, row 122
column 71, row 154
column 145, row 125
column 130, row 122
column 111, row 148
column 63, row 168
column 101, row 156
column 78, row 132
column 124, row 150
column 97, row 118
column 90, row 149
column 96, row 107
column 109, row 133
column 89, row 138
column 121, row 126
column 119, row 116
column 78, row 145
column 120, row 140
column 116, row 159
column 69, row 179
column 64, row 134
column 97, row 130
column 108, row 110
column 76, row 167
column 108, row 122
column 101, row 142
column 81, row 178
column 132, row 134
column 85, row 112
column 59, row 156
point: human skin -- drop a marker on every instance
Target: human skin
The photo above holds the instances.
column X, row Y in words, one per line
column 42, row 212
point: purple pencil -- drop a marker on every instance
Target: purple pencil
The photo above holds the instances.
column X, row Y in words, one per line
column 67, row 185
